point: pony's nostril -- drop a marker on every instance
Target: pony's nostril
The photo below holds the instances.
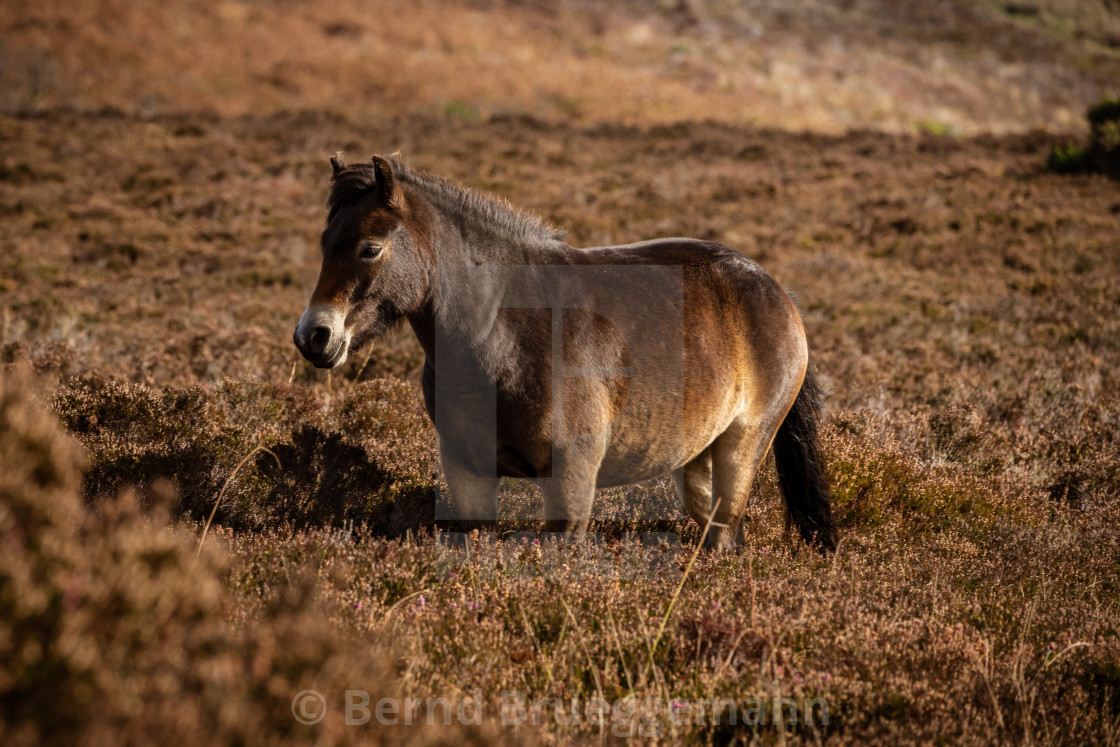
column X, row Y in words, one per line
column 320, row 337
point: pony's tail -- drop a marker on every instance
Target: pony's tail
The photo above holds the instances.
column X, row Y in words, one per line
column 797, row 453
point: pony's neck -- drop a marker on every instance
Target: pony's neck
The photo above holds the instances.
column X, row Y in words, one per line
column 469, row 227
column 473, row 237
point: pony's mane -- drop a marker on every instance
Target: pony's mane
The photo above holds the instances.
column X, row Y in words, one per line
column 488, row 212
column 349, row 186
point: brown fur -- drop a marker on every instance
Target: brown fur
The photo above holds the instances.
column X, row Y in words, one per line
column 675, row 355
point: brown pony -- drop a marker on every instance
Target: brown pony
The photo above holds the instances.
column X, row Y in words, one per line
column 573, row 368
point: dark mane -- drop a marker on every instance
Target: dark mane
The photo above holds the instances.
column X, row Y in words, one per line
column 494, row 213
column 349, row 186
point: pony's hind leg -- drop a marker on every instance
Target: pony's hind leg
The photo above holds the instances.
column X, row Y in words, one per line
column 736, row 456
column 694, row 485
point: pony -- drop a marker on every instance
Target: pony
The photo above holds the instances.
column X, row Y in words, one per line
column 575, row 368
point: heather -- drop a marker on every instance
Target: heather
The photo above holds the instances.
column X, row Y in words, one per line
column 159, row 241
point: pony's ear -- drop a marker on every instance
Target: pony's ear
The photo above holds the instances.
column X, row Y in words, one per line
column 386, row 181
column 337, row 163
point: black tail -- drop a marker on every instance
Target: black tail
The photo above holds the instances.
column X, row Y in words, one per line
column 797, row 453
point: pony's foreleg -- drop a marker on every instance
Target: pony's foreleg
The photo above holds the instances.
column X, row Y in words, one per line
column 473, row 496
column 567, row 506
column 569, row 493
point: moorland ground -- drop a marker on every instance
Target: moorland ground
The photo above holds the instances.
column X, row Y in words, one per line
column 160, row 215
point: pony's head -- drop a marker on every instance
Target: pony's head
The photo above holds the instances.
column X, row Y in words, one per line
column 376, row 263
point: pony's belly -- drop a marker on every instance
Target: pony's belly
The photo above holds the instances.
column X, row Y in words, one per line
column 636, row 456
column 619, row 479
column 628, row 467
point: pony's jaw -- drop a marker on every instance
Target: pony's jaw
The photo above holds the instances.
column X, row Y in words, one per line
column 322, row 336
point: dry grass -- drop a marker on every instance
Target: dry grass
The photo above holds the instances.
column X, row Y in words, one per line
column 959, row 301
column 115, row 631
column 366, row 456
column 961, row 304
column 957, row 609
column 962, row 606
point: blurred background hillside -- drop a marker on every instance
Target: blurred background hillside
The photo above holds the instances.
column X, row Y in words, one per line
column 961, row 66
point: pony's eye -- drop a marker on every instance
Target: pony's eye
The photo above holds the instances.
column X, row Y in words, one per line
column 371, row 250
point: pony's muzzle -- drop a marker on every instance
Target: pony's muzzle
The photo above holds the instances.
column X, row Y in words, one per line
column 322, row 338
